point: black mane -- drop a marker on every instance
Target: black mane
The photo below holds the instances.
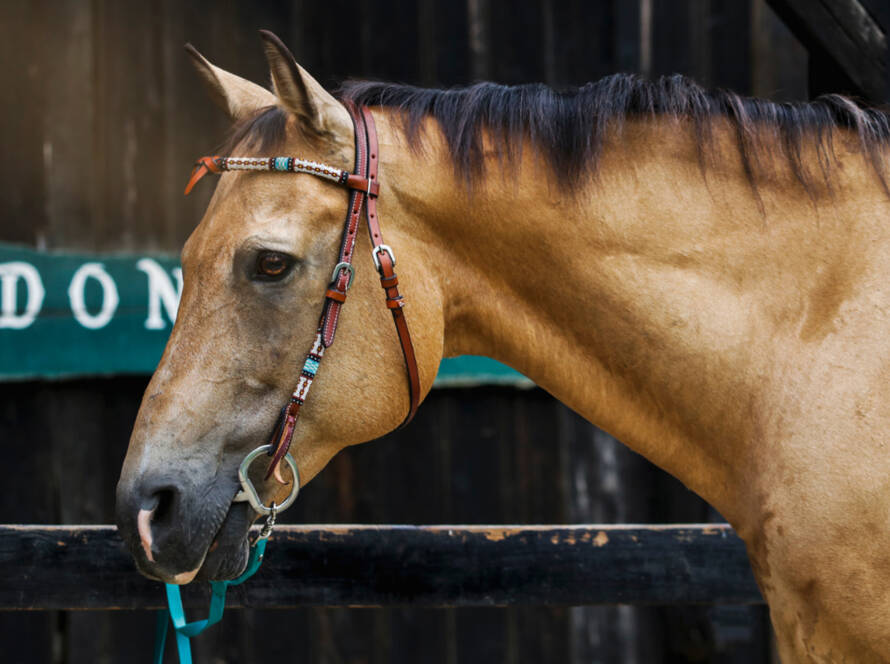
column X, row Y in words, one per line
column 568, row 127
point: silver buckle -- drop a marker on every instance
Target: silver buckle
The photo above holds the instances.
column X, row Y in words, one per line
column 376, row 257
column 248, row 491
column 343, row 266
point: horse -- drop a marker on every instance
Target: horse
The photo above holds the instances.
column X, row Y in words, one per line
column 703, row 275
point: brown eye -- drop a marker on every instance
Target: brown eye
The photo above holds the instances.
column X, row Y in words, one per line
column 273, row 265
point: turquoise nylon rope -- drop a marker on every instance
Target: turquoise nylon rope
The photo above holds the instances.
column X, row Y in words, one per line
column 175, row 614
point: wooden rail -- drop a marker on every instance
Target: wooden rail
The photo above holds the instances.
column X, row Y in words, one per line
column 87, row 567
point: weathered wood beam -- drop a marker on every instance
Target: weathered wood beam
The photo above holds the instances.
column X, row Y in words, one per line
column 847, row 33
column 87, row 567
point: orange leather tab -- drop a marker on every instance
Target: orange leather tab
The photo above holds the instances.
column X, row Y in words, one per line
column 395, row 302
column 287, row 435
column 389, row 282
column 337, row 296
column 203, row 166
column 359, row 183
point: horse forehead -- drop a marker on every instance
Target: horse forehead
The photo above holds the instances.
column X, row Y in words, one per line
column 242, row 206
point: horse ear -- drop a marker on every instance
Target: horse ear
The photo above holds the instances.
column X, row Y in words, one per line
column 236, row 96
column 301, row 94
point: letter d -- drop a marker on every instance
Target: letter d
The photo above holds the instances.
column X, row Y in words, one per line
column 10, row 273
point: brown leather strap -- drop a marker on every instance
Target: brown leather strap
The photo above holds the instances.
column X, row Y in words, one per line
column 385, row 262
column 335, row 297
column 364, row 188
column 331, row 314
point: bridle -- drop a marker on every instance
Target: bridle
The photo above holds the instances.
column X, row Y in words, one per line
column 364, row 189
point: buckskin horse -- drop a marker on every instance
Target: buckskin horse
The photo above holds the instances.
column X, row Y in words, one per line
column 705, row 276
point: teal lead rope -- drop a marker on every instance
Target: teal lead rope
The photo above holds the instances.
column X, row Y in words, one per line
column 175, row 614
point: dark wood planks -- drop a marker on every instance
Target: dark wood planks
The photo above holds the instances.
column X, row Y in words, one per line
column 848, row 48
column 778, row 59
column 87, row 567
column 23, row 141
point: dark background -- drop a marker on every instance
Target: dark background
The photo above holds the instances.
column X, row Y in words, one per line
column 103, row 118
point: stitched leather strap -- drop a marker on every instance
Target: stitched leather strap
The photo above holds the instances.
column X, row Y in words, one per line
column 331, row 313
column 335, row 298
column 385, row 262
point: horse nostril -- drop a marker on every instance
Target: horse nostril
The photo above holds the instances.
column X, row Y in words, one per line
column 163, row 505
column 153, row 514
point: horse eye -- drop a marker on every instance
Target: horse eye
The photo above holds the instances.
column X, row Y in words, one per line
column 272, row 265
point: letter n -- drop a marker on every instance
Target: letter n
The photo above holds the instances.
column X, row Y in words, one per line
column 160, row 291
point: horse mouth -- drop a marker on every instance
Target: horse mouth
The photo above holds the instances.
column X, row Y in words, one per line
column 224, row 558
column 180, row 529
column 227, row 554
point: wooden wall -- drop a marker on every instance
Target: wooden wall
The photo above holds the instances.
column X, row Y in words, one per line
column 104, row 120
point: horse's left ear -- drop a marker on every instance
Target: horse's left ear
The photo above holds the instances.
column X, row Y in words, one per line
column 302, row 95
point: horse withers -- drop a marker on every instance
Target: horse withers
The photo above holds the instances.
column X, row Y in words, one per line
column 705, row 276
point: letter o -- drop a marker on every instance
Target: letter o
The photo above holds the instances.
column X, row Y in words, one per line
column 110, row 297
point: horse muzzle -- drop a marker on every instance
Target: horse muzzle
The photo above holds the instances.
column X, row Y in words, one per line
column 169, row 521
column 178, row 529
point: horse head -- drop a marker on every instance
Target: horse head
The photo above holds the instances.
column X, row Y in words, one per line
column 256, row 270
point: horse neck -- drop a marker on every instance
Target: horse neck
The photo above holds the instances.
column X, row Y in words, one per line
column 652, row 299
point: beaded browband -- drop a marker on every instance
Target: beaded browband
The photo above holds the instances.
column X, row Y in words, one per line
column 364, row 190
column 217, row 165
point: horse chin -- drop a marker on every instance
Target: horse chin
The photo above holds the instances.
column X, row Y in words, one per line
column 227, row 556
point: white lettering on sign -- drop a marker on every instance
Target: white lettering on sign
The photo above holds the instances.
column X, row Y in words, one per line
column 10, row 273
column 161, row 291
column 110, row 297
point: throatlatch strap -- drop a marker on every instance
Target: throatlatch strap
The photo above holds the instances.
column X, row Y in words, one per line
column 386, row 262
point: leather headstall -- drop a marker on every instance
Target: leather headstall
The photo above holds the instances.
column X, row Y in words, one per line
column 364, row 188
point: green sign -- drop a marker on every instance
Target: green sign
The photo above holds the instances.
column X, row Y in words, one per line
column 65, row 315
